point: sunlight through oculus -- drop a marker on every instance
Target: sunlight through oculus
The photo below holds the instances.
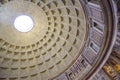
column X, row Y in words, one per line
column 23, row 23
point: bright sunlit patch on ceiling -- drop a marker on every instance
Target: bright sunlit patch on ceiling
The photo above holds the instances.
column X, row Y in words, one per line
column 23, row 23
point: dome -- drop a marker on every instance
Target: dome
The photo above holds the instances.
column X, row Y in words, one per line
column 54, row 39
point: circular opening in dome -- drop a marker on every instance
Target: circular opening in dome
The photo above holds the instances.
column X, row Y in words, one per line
column 23, row 23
